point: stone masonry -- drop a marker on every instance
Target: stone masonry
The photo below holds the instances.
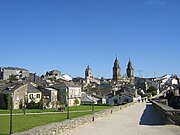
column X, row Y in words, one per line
column 170, row 115
column 60, row 127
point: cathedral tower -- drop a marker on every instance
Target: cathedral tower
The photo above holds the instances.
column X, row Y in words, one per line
column 88, row 75
column 116, row 70
column 130, row 71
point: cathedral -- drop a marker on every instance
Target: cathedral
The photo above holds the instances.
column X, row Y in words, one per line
column 88, row 75
column 117, row 78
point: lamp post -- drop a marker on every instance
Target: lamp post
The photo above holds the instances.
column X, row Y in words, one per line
column 68, row 104
column 24, row 107
column 11, row 108
column 93, row 105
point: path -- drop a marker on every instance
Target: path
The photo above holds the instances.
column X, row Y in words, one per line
column 139, row 119
column 14, row 114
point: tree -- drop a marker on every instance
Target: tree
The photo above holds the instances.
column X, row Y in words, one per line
column 12, row 78
column 152, row 90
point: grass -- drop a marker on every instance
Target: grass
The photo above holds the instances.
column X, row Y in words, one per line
column 25, row 122
column 73, row 108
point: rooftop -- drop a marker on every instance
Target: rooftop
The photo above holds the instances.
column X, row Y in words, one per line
column 14, row 68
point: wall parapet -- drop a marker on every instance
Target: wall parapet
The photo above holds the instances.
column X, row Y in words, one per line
column 60, row 127
column 170, row 115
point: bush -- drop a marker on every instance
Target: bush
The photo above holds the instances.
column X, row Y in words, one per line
column 154, row 93
column 148, row 95
column 33, row 105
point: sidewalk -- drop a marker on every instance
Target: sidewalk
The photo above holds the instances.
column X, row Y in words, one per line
column 139, row 119
column 46, row 113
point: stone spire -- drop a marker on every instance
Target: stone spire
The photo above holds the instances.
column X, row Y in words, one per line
column 130, row 71
column 130, row 66
column 116, row 70
column 88, row 75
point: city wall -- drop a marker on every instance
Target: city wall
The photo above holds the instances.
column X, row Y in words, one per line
column 60, row 127
column 170, row 115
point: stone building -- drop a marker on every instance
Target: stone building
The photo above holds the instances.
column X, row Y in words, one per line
column 19, row 92
column 19, row 73
column 121, row 80
column 34, row 94
column 89, row 79
column 130, row 71
column 56, row 74
column 68, row 93
column 23, row 93
column 116, row 71
column 50, row 97
column 88, row 75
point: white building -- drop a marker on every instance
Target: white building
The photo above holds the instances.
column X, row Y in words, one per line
column 33, row 94
column 68, row 93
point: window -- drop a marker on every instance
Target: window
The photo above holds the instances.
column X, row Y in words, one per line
column 38, row 96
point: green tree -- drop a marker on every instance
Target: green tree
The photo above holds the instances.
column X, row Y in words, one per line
column 12, row 78
column 152, row 90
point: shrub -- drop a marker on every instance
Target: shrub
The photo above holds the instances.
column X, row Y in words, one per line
column 33, row 105
column 154, row 93
column 148, row 95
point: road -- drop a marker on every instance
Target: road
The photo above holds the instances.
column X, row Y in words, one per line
column 138, row 119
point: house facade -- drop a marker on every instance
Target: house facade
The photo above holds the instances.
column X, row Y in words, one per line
column 18, row 90
column 50, row 97
column 68, row 93
column 123, row 95
column 33, row 94
column 20, row 96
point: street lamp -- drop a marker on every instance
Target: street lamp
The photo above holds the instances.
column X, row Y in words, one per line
column 68, row 104
column 25, row 102
column 93, row 105
column 11, row 108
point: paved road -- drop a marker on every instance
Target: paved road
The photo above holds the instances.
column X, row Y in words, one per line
column 139, row 119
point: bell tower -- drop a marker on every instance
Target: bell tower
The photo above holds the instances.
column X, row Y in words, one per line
column 130, row 71
column 116, row 70
column 88, row 75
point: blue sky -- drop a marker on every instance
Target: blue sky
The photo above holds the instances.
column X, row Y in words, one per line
column 70, row 34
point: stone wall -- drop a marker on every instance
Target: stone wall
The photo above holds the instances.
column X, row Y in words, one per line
column 19, row 96
column 170, row 115
column 60, row 127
